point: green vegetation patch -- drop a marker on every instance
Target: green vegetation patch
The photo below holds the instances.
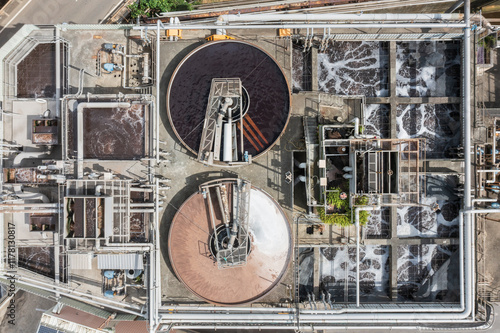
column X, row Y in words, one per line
column 341, row 215
column 151, row 8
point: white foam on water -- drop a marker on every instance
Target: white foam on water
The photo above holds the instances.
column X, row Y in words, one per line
column 376, row 273
column 434, row 122
column 354, row 68
column 423, row 68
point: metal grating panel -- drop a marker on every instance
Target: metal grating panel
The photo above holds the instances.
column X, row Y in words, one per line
column 372, row 172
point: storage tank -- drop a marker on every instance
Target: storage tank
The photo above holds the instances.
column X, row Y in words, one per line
column 266, row 94
column 207, row 217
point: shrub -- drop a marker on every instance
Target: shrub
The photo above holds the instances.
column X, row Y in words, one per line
column 343, row 219
column 333, row 199
column 150, row 8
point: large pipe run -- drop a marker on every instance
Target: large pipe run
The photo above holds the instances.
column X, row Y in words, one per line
column 18, row 190
column 309, row 25
column 339, row 17
column 44, row 152
column 468, row 220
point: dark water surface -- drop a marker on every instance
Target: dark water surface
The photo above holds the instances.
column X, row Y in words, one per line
column 259, row 74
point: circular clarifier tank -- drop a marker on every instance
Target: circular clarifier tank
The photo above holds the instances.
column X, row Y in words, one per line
column 193, row 254
column 266, row 92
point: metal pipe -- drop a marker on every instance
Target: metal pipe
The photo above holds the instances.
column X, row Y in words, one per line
column 157, row 112
column 313, row 328
column 338, row 17
column 71, row 294
column 142, row 210
column 315, row 26
column 155, row 262
column 38, row 211
column 30, row 195
column 468, row 221
column 331, row 317
column 30, row 154
column 177, row 308
column 466, row 109
column 141, row 189
column 356, row 126
column 482, row 211
column 354, row 315
column 483, row 200
column 58, row 72
column 34, row 205
column 142, row 204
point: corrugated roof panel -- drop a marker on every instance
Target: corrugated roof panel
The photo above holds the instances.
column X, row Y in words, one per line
column 120, row 261
column 85, row 307
column 124, row 317
column 140, row 326
column 80, row 260
column 80, row 317
column 32, row 289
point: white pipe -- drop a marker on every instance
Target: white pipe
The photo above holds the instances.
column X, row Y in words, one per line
column 177, row 308
column 29, row 154
column 461, row 258
column 141, row 189
column 338, row 17
column 483, row 200
column 157, row 112
column 142, row 204
column 313, row 328
column 466, row 108
column 482, row 211
column 103, row 105
column 34, row 205
column 356, row 220
column 37, row 211
column 30, row 195
column 468, row 221
column 314, row 26
column 228, row 143
column 128, row 247
column 353, row 315
column 155, row 277
column 72, row 292
column 356, row 126
column 142, row 210
column 383, row 317
column 58, row 72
